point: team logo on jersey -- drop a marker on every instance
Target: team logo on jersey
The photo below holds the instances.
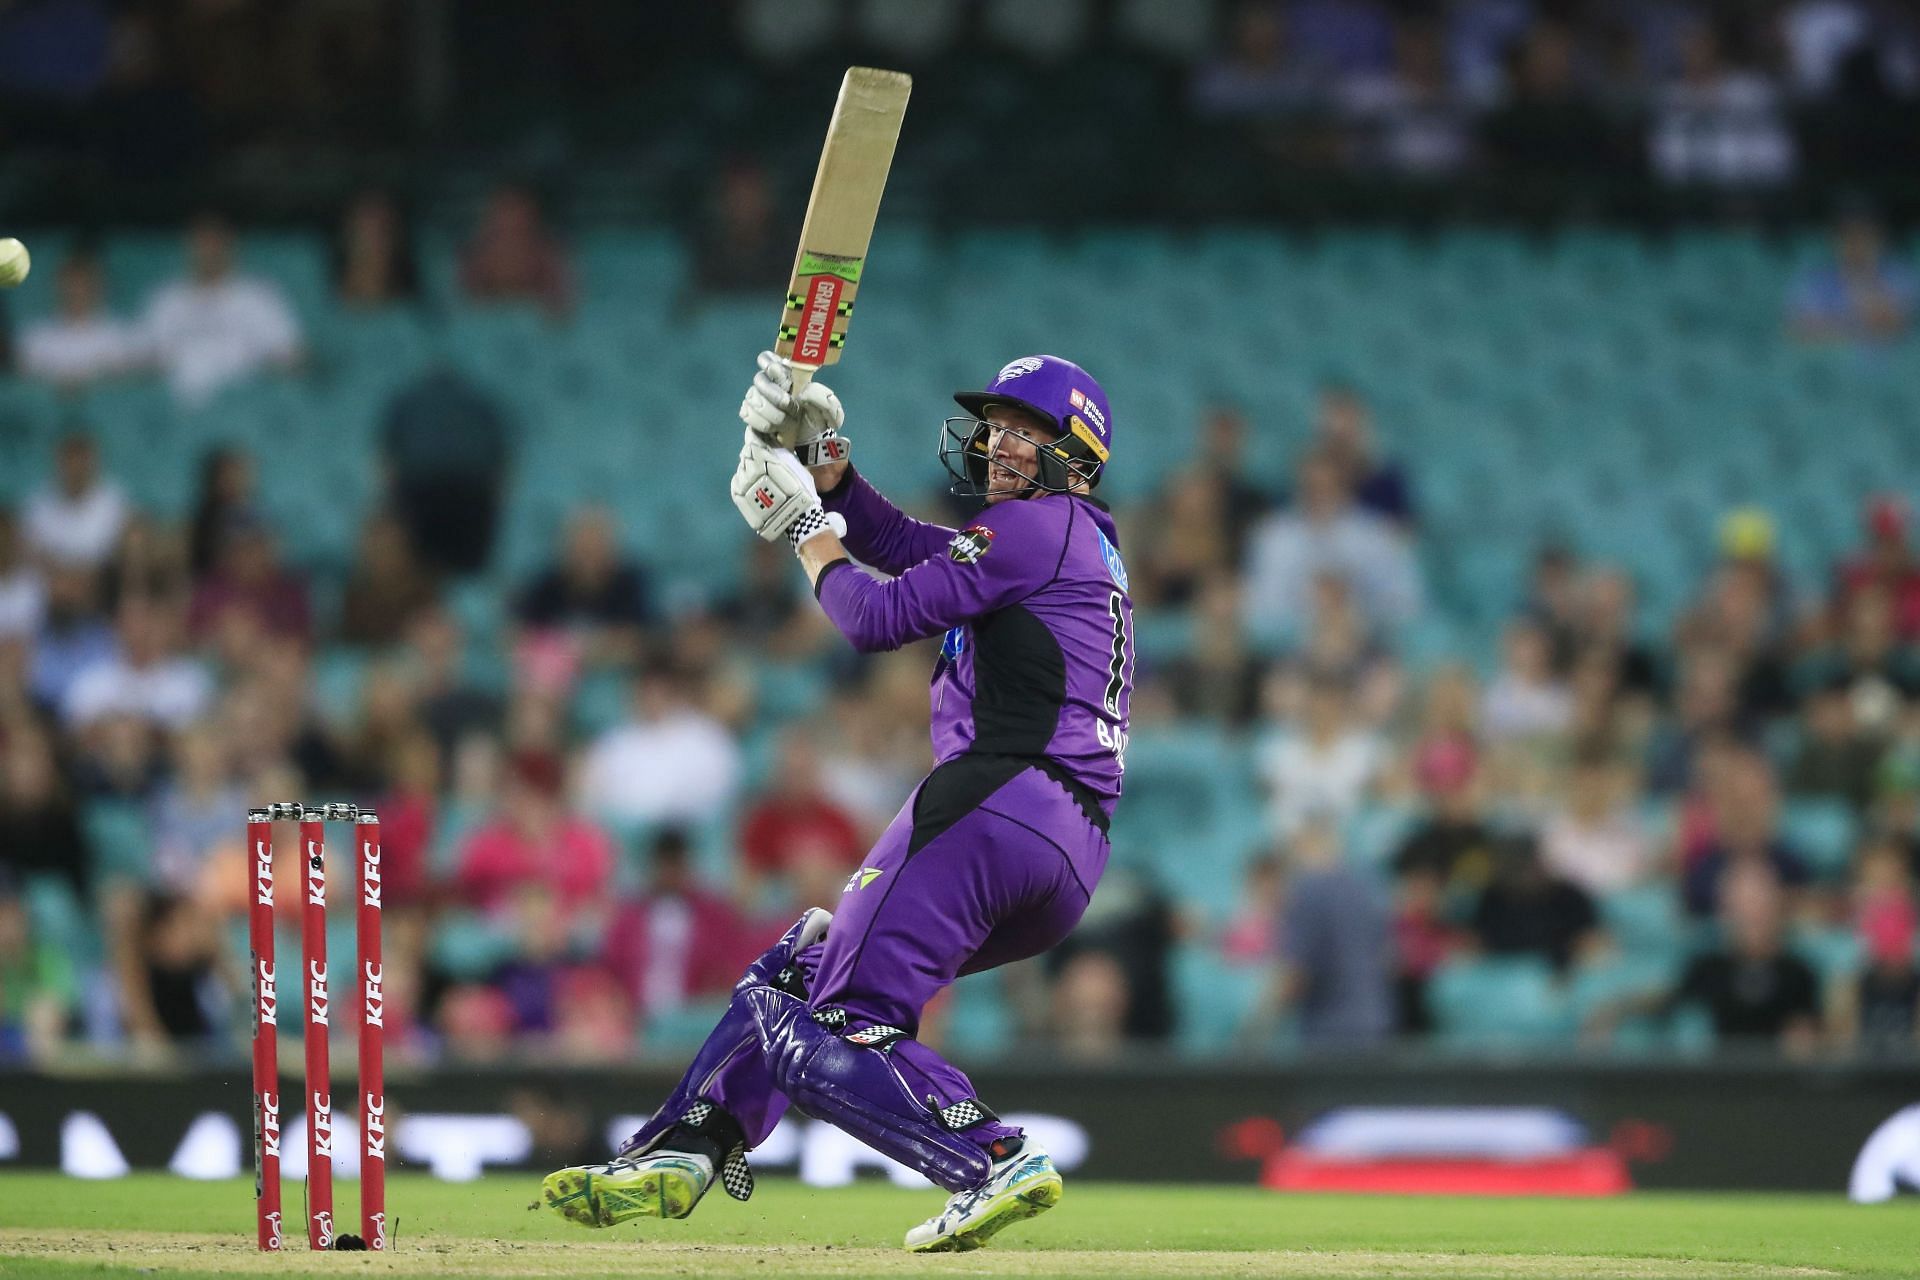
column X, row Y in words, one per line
column 954, row 643
column 1019, row 368
column 1111, row 554
column 970, row 544
column 862, row 878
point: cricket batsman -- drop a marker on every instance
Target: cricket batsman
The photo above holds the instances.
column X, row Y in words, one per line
column 994, row 855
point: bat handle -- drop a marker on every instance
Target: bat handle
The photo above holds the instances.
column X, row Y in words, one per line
column 802, row 375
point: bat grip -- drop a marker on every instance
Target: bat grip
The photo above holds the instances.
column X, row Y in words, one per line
column 802, row 375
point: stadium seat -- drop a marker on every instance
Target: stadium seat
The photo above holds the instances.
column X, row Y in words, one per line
column 1500, row 1003
column 1822, row 831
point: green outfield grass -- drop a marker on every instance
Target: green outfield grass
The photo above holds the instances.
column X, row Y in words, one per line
column 59, row 1227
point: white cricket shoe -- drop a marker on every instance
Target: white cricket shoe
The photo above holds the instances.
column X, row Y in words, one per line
column 660, row 1184
column 1018, row 1187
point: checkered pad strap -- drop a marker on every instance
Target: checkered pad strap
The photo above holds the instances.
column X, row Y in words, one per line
column 964, row 1114
column 735, row 1174
column 877, row 1037
column 831, row 1019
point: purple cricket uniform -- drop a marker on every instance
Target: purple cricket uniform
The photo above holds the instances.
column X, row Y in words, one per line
column 995, row 854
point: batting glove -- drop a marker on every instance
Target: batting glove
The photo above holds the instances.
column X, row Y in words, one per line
column 807, row 422
column 776, row 496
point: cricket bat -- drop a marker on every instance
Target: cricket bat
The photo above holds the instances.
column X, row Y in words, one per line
column 840, row 215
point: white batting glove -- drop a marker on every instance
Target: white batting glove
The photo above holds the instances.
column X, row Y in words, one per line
column 776, row 496
column 808, row 422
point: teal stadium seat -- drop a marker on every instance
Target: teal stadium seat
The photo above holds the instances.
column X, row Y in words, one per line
column 1500, row 1003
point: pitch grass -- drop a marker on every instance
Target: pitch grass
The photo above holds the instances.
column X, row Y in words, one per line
column 59, row 1227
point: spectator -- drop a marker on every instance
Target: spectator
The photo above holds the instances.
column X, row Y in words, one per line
column 1554, row 603
column 1190, row 543
column 1453, row 843
column 1704, row 710
column 1752, row 987
column 217, row 326
column 1834, row 758
column 39, row 828
column 171, row 982
column 1218, row 676
column 78, row 520
column 1336, row 947
column 1256, row 76
column 532, row 841
column 192, row 816
column 1887, row 563
column 1131, row 927
column 740, row 246
column 765, row 608
column 82, row 342
column 1252, row 934
column 1594, row 841
column 373, row 264
column 1879, row 1008
column 23, row 588
column 409, row 814
column 249, row 588
column 1407, row 120
column 147, row 678
column 679, row 939
column 1607, row 629
column 591, row 601
column 1223, row 457
column 226, row 490
column 1880, row 675
column 446, row 450
column 152, row 561
column 1323, row 770
column 38, row 987
column 1526, row 702
column 669, row 762
column 1528, row 910
column 73, row 638
column 795, row 813
column 387, row 588
column 1088, row 1006
column 1746, row 818
column 1863, row 295
column 1718, row 124
column 1344, row 434
column 447, row 702
column 1549, row 128
column 1326, row 534
column 513, row 257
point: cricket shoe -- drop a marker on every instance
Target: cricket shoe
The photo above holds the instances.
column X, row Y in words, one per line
column 1021, row 1184
column 661, row 1184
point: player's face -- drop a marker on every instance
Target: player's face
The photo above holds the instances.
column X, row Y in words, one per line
column 1012, row 449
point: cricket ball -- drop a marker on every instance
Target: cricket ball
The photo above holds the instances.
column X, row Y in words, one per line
column 15, row 262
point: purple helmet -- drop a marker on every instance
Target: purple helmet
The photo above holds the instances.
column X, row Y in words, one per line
column 1057, row 391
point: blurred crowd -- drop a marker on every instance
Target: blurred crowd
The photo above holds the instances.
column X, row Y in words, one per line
column 1728, row 95
column 598, row 801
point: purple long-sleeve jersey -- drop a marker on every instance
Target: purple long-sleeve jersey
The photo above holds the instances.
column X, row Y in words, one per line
column 1032, row 597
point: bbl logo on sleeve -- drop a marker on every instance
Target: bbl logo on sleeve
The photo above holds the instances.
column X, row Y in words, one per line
column 970, row 544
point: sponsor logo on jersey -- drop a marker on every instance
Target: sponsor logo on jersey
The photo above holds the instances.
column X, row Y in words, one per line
column 1111, row 554
column 953, row 644
column 1019, row 368
column 970, row 544
column 862, row 878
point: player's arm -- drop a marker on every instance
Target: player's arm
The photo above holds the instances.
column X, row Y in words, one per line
column 809, row 422
column 775, row 495
column 992, row 563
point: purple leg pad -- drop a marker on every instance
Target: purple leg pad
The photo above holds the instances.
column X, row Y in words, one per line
column 866, row 1091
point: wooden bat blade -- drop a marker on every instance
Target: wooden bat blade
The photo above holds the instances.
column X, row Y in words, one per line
column 840, row 215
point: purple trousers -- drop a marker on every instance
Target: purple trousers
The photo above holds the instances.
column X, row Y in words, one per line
column 990, row 861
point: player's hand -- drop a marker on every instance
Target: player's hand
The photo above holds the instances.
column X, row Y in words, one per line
column 807, row 422
column 776, row 496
